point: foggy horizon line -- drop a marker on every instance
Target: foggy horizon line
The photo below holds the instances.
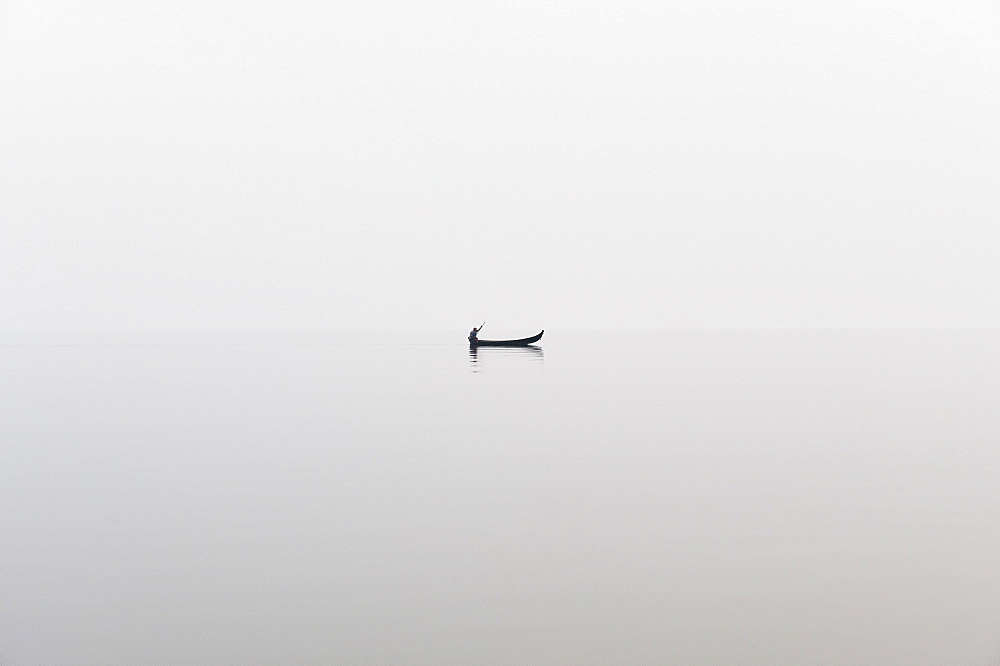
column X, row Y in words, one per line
column 424, row 329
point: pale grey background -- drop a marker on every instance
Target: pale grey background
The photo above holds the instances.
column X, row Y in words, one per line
column 681, row 497
column 561, row 164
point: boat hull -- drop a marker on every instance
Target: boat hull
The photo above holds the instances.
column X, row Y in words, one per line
column 523, row 342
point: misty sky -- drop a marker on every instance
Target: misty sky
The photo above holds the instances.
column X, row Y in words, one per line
column 217, row 165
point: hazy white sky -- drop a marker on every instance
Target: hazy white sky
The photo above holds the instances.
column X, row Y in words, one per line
column 539, row 164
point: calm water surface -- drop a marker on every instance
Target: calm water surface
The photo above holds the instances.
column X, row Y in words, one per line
column 738, row 497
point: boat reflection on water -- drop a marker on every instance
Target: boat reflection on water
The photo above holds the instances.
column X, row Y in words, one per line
column 481, row 357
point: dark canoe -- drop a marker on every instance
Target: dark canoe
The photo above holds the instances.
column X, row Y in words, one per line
column 523, row 342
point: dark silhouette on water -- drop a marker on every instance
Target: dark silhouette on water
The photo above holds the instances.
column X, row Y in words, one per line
column 523, row 342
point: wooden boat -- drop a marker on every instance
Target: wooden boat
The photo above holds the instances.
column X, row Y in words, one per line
column 523, row 342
